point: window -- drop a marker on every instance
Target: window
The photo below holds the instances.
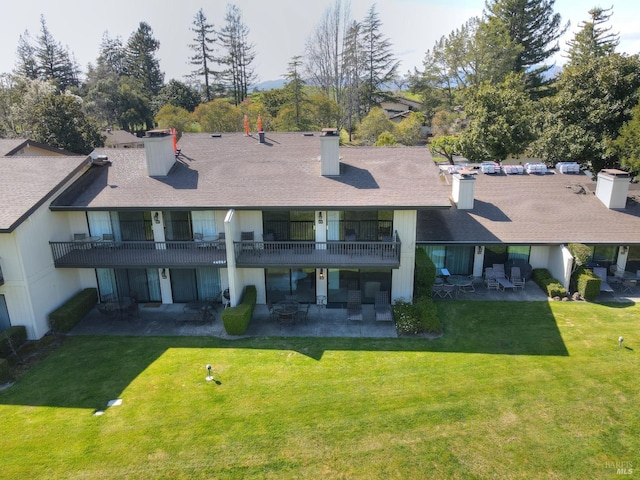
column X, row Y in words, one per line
column 458, row 259
column 369, row 282
column 296, row 225
column 633, row 259
column 4, row 314
column 135, row 226
column 284, row 281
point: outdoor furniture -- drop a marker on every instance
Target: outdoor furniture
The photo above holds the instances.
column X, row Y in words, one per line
column 490, row 280
column 448, row 290
column 354, row 305
column 498, row 270
column 248, row 243
column 382, row 307
column 302, row 313
column 602, row 273
column 629, row 285
column 437, row 290
column 287, row 312
column 201, row 311
column 462, row 283
column 516, row 277
column 504, row 283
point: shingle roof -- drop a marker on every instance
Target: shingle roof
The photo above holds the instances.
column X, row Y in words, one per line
column 235, row 171
column 534, row 209
column 27, row 182
column 9, row 144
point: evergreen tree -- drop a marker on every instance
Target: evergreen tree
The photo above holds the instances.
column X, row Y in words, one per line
column 593, row 40
column 533, row 27
column 26, row 63
column 234, row 39
column 54, row 61
column 203, row 50
column 140, row 61
column 295, row 91
column 380, row 65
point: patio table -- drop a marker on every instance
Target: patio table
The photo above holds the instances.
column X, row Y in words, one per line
column 287, row 311
column 461, row 282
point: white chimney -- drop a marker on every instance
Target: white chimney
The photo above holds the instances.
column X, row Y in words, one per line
column 330, row 152
column 158, row 148
column 612, row 187
column 463, row 190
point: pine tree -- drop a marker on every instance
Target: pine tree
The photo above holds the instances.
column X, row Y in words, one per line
column 140, row 60
column 593, row 40
column 26, row 64
column 54, row 61
column 203, row 50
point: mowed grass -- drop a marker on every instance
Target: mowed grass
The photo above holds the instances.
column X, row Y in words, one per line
column 512, row 390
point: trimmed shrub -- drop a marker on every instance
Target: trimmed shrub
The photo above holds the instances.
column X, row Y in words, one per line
column 587, row 283
column 416, row 318
column 236, row 319
column 425, row 274
column 67, row 316
column 546, row 282
column 5, row 371
column 17, row 335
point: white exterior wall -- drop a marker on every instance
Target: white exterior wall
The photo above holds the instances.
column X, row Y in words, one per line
column 33, row 286
column 160, row 155
column 560, row 263
column 404, row 222
column 539, row 256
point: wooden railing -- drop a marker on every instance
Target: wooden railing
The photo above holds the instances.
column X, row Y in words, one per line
column 103, row 254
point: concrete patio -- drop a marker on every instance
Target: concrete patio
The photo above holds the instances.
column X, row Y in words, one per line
column 164, row 320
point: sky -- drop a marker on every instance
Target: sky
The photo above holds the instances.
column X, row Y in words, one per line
column 278, row 29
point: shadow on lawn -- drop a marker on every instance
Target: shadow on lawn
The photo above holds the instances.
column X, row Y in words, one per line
column 86, row 372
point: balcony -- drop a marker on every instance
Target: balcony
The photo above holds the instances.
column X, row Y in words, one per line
column 101, row 254
column 318, row 254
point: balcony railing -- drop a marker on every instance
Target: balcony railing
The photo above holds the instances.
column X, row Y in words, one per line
column 101, row 254
column 319, row 254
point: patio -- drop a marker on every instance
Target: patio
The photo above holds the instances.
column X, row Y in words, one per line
column 165, row 319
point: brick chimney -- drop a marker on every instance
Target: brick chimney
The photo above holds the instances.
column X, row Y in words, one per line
column 330, row 152
column 463, row 190
column 612, row 188
column 159, row 150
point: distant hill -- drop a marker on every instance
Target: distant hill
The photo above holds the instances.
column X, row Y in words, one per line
column 268, row 85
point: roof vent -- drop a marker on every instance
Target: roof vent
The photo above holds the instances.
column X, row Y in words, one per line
column 612, row 187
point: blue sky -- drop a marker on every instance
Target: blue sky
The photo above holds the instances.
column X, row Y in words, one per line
column 279, row 29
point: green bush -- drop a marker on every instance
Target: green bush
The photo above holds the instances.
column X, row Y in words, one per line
column 425, row 274
column 236, row 319
column 587, row 283
column 416, row 318
column 67, row 316
column 17, row 335
column 5, row 371
column 546, row 282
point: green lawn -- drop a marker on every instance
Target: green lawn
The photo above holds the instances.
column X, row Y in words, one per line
column 512, row 390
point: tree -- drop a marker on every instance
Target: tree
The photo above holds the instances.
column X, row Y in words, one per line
column 171, row 116
column 500, row 121
column 533, row 27
column 295, row 92
column 178, row 94
column 60, row 122
column 218, row 116
column 54, row 61
column 233, row 38
column 380, row 65
column 593, row 102
column 133, row 107
column 26, row 63
column 140, row 61
column 28, row 94
column 593, row 40
column 627, row 145
column 375, row 123
column 203, row 50
column 408, row 131
column 445, row 145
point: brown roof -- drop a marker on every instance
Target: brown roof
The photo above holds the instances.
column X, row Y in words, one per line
column 534, row 209
column 235, row 171
column 27, row 182
column 116, row 138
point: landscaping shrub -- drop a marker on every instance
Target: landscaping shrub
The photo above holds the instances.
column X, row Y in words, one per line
column 547, row 283
column 587, row 283
column 5, row 372
column 236, row 319
column 416, row 318
column 17, row 335
column 425, row 274
column 67, row 316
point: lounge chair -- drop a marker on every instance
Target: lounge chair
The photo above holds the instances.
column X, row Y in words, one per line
column 602, row 273
column 516, row 278
column 354, row 305
column 490, row 280
column 383, row 307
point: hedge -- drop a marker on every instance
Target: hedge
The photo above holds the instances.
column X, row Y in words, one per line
column 546, row 282
column 425, row 274
column 236, row 319
column 18, row 336
column 73, row 310
column 587, row 283
column 5, row 372
column 416, row 318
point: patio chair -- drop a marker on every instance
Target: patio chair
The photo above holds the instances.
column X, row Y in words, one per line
column 602, row 273
column 516, row 278
column 498, row 270
column 303, row 313
column 490, row 280
column 629, row 285
column 354, row 305
column 383, row 307
column 437, row 290
column 448, row 290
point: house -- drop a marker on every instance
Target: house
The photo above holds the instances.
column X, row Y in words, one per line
column 31, row 175
column 532, row 218
column 291, row 213
column 121, row 139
